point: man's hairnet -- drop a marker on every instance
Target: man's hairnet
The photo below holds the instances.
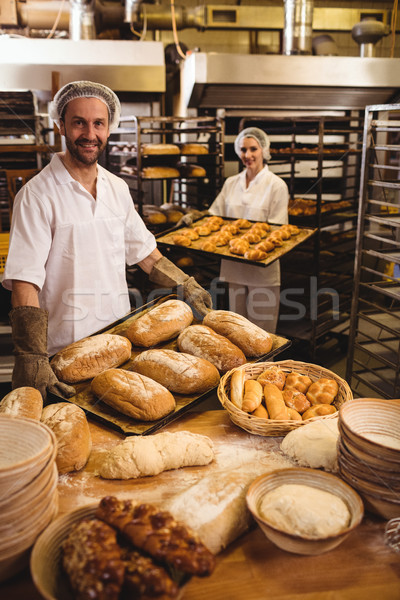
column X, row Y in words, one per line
column 259, row 135
column 86, row 89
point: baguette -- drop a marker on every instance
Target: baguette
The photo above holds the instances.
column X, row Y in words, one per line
column 251, row 339
column 23, row 402
column 74, row 442
column 177, row 371
column 252, row 397
column 132, row 394
column 237, row 388
column 89, row 357
column 204, row 342
column 274, row 402
column 142, row 456
column 160, row 323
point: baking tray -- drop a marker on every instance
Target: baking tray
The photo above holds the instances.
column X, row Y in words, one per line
column 99, row 411
column 165, row 239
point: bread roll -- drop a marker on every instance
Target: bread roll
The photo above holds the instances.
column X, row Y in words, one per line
column 252, row 397
column 132, row 394
column 160, row 149
column 260, row 412
column 274, row 402
column 222, row 239
column 238, row 246
column 253, row 254
column 251, row 339
column 252, row 237
column 237, row 387
column 294, row 415
column 208, row 246
column 319, row 410
column 190, row 233
column 242, row 223
column 323, row 391
column 203, row 341
column 203, row 230
column 298, row 382
column 161, row 323
column 230, row 228
column 23, row 402
column 89, row 357
column 143, row 456
column 265, row 246
column 74, row 443
column 273, row 375
column 296, row 400
column 177, row 371
column 182, row 240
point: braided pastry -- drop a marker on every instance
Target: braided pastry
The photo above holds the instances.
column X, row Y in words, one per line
column 261, row 232
column 190, row 233
column 230, row 228
column 285, row 232
column 208, row 246
column 251, row 237
column 222, row 239
column 255, row 255
column 158, row 534
column 294, row 230
column 242, row 223
column 202, row 230
column 265, row 246
column 145, row 579
column 262, row 225
column 238, row 246
column 276, row 240
column 182, row 240
column 214, row 219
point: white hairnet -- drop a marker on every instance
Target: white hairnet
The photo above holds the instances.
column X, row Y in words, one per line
column 259, row 135
column 85, row 89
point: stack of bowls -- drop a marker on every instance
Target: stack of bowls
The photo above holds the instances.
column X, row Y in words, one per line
column 369, row 452
column 28, row 488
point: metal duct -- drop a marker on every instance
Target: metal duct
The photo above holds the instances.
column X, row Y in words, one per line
column 367, row 33
column 297, row 31
column 81, row 20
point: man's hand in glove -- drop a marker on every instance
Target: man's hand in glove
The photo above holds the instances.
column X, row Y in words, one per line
column 168, row 275
column 191, row 216
column 32, row 367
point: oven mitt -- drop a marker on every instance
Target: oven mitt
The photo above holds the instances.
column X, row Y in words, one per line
column 32, row 368
column 166, row 274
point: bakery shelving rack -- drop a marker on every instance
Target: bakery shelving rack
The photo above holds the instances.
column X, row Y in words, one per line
column 373, row 364
column 124, row 151
column 319, row 157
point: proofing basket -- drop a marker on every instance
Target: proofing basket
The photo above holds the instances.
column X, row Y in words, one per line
column 268, row 427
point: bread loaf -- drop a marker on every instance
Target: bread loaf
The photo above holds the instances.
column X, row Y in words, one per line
column 190, row 170
column 194, row 148
column 274, row 402
column 177, row 371
column 252, row 397
column 133, row 394
column 150, row 455
column 251, row 339
column 89, row 357
column 23, row 402
column 160, row 149
column 203, row 341
column 161, row 323
column 74, row 443
column 159, row 173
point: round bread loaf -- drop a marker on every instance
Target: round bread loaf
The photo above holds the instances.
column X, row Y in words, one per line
column 204, row 342
column 133, row 394
column 177, row 371
column 160, row 323
column 251, row 339
column 23, row 402
column 89, row 357
column 74, row 443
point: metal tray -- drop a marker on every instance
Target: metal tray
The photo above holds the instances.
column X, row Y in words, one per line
column 165, row 239
column 99, row 411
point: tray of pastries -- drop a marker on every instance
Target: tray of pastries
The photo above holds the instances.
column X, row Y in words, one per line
column 237, row 239
column 156, row 363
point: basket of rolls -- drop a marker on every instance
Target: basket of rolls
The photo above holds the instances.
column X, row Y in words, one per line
column 273, row 398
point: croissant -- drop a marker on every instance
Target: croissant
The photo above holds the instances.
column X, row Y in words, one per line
column 294, row 230
column 276, row 240
column 208, row 246
column 190, row 233
column 261, row 225
column 255, row 254
column 182, row 240
column 213, row 225
column 265, row 246
column 222, row 239
column 214, row 219
column 251, row 237
column 202, row 230
column 285, row 232
column 238, row 246
column 242, row 223
column 261, row 232
column 230, row 228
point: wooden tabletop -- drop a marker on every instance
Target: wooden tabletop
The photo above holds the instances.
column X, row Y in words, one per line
column 251, row 568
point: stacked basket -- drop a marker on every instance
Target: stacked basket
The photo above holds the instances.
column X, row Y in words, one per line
column 369, row 453
column 268, row 427
column 28, row 488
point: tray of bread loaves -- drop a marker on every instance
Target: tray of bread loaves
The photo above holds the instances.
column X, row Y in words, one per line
column 158, row 362
column 237, row 239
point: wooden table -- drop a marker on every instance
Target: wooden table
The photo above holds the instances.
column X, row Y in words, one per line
column 251, row 568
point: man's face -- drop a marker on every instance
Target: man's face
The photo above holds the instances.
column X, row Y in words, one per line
column 85, row 127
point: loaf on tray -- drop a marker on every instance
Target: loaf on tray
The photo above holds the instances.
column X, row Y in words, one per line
column 89, row 357
column 250, row 338
column 133, row 394
column 159, row 324
column 204, row 342
column 177, row 371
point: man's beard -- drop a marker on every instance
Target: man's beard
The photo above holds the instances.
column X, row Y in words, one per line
column 79, row 154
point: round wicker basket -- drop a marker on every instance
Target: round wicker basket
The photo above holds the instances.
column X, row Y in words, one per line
column 268, row 427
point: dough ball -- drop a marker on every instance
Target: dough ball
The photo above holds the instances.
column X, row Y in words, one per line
column 314, row 445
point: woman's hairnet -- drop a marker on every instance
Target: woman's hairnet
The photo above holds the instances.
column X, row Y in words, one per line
column 259, row 135
column 86, row 89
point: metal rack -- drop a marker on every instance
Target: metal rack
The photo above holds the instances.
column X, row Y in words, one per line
column 373, row 365
column 319, row 157
column 184, row 191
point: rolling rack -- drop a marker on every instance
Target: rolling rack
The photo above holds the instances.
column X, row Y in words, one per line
column 373, row 365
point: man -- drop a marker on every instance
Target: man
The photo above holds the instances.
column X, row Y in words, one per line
column 73, row 231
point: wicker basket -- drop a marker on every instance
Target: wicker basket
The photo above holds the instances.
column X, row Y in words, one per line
column 267, row 427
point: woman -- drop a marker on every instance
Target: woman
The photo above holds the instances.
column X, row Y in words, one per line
column 255, row 194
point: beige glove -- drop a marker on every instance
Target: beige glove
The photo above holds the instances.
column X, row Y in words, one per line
column 191, row 216
column 32, row 367
column 166, row 274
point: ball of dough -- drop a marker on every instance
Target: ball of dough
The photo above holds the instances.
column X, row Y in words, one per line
column 314, row 444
